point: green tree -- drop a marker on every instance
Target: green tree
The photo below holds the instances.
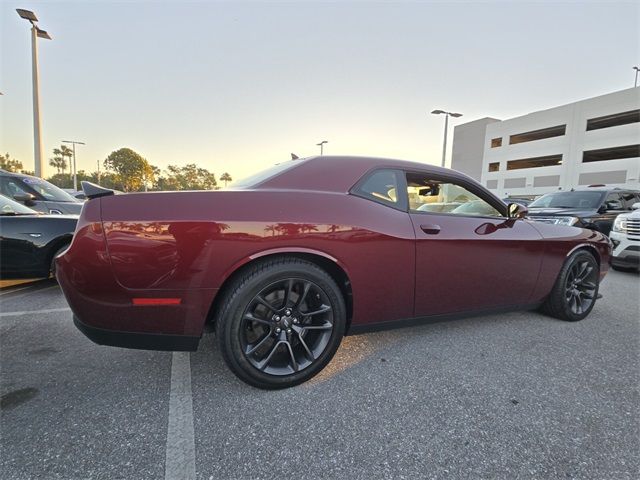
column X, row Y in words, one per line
column 225, row 177
column 188, row 177
column 132, row 170
column 10, row 164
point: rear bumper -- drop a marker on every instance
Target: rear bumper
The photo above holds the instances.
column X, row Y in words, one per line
column 144, row 341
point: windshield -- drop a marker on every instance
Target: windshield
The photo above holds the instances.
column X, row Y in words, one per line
column 568, row 200
column 266, row 174
column 11, row 207
column 47, row 190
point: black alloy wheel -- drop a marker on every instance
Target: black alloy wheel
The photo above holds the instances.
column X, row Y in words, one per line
column 576, row 289
column 581, row 285
column 281, row 324
column 286, row 326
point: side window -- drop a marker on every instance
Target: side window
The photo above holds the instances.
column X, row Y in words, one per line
column 11, row 187
column 438, row 196
column 613, row 202
column 628, row 199
column 380, row 186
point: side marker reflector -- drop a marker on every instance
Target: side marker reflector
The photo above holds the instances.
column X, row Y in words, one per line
column 145, row 302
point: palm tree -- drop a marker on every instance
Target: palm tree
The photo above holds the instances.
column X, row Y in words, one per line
column 225, row 177
column 58, row 161
column 67, row 152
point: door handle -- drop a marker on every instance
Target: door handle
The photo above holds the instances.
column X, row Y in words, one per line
column 430, row 229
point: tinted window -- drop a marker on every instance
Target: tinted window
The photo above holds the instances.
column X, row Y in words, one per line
column 41, row 188
column 266, row 174
column 438, row 196
column 11, row 187
column 11, row 207
column 381, row 186
column 590, row 200
column 628, row 199
column 614, row 202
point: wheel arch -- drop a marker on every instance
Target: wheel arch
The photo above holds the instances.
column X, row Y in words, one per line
column 326, row 262
column 55, row 245
column 586, row 247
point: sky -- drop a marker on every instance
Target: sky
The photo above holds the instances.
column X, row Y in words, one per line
column 238, row 86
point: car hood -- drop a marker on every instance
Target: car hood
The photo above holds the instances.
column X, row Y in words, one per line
column 559, row 212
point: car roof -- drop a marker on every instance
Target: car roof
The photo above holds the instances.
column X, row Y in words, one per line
column 331, row 173
column 7, row 173
column 602, row 189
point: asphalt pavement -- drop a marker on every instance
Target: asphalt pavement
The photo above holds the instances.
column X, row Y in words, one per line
column 516, row 395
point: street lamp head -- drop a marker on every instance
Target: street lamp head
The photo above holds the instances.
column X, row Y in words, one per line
column 438, row 112
column 322, row 143
column 42, row 34
column 27, row 15
column 455, row 115
column 637, row 69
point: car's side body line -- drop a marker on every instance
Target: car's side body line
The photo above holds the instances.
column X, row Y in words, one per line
column 445, row 317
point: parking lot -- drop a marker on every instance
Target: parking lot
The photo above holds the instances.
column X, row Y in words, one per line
column 505, row 396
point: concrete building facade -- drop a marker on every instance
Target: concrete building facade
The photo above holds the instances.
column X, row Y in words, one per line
column 593, row 141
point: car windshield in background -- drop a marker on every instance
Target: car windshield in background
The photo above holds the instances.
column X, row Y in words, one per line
column 47, row 190
column 11, row 207
column 586, row 200
column 257, row 178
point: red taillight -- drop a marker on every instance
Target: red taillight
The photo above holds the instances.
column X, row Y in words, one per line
column 145, row 302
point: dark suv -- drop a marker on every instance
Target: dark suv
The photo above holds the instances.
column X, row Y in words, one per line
column 592, row 207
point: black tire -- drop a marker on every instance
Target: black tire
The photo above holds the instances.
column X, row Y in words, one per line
column 267, row 347
column 576, row 289
column 52, row 263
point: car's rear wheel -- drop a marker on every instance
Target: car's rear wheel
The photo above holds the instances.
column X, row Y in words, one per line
column 576, row 289
column 281, row 323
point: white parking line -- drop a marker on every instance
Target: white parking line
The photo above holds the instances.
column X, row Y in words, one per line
column 32, row 289
column 180, row 462
column 31, row 312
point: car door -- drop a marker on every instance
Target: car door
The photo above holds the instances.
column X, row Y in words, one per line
column 612, row 206
column 469, row 255
column 17, row 250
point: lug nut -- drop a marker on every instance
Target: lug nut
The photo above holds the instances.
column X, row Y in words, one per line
column 278, row 330
column 288, row 330
column 295, row 320
column 276, row 318
column 288, row 312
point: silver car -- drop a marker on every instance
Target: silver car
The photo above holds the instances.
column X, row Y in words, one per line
column 38, row 194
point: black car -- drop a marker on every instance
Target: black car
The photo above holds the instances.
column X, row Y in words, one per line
column 38, row 194
column 592, row 207
column 29, row 241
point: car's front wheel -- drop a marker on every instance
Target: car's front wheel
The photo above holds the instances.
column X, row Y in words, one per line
column 576, row 289
column 281, row 323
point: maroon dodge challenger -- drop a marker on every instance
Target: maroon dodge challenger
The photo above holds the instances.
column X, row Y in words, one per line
column 292, row 259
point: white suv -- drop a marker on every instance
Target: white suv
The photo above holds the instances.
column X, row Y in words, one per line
column 625, row 236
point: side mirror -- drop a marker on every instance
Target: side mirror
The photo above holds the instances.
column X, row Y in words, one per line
column 26, row 198
column 635, row 206
column 515, row 210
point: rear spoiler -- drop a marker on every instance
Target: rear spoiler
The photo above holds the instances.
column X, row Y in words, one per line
column 91, row 190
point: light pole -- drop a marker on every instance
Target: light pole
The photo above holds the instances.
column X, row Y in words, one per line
column 321, row 145
column 635, row 83
column 446, row 125
column 37, row 126
column 75, row 173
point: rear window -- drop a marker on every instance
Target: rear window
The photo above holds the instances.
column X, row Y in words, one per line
column 266, row 174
